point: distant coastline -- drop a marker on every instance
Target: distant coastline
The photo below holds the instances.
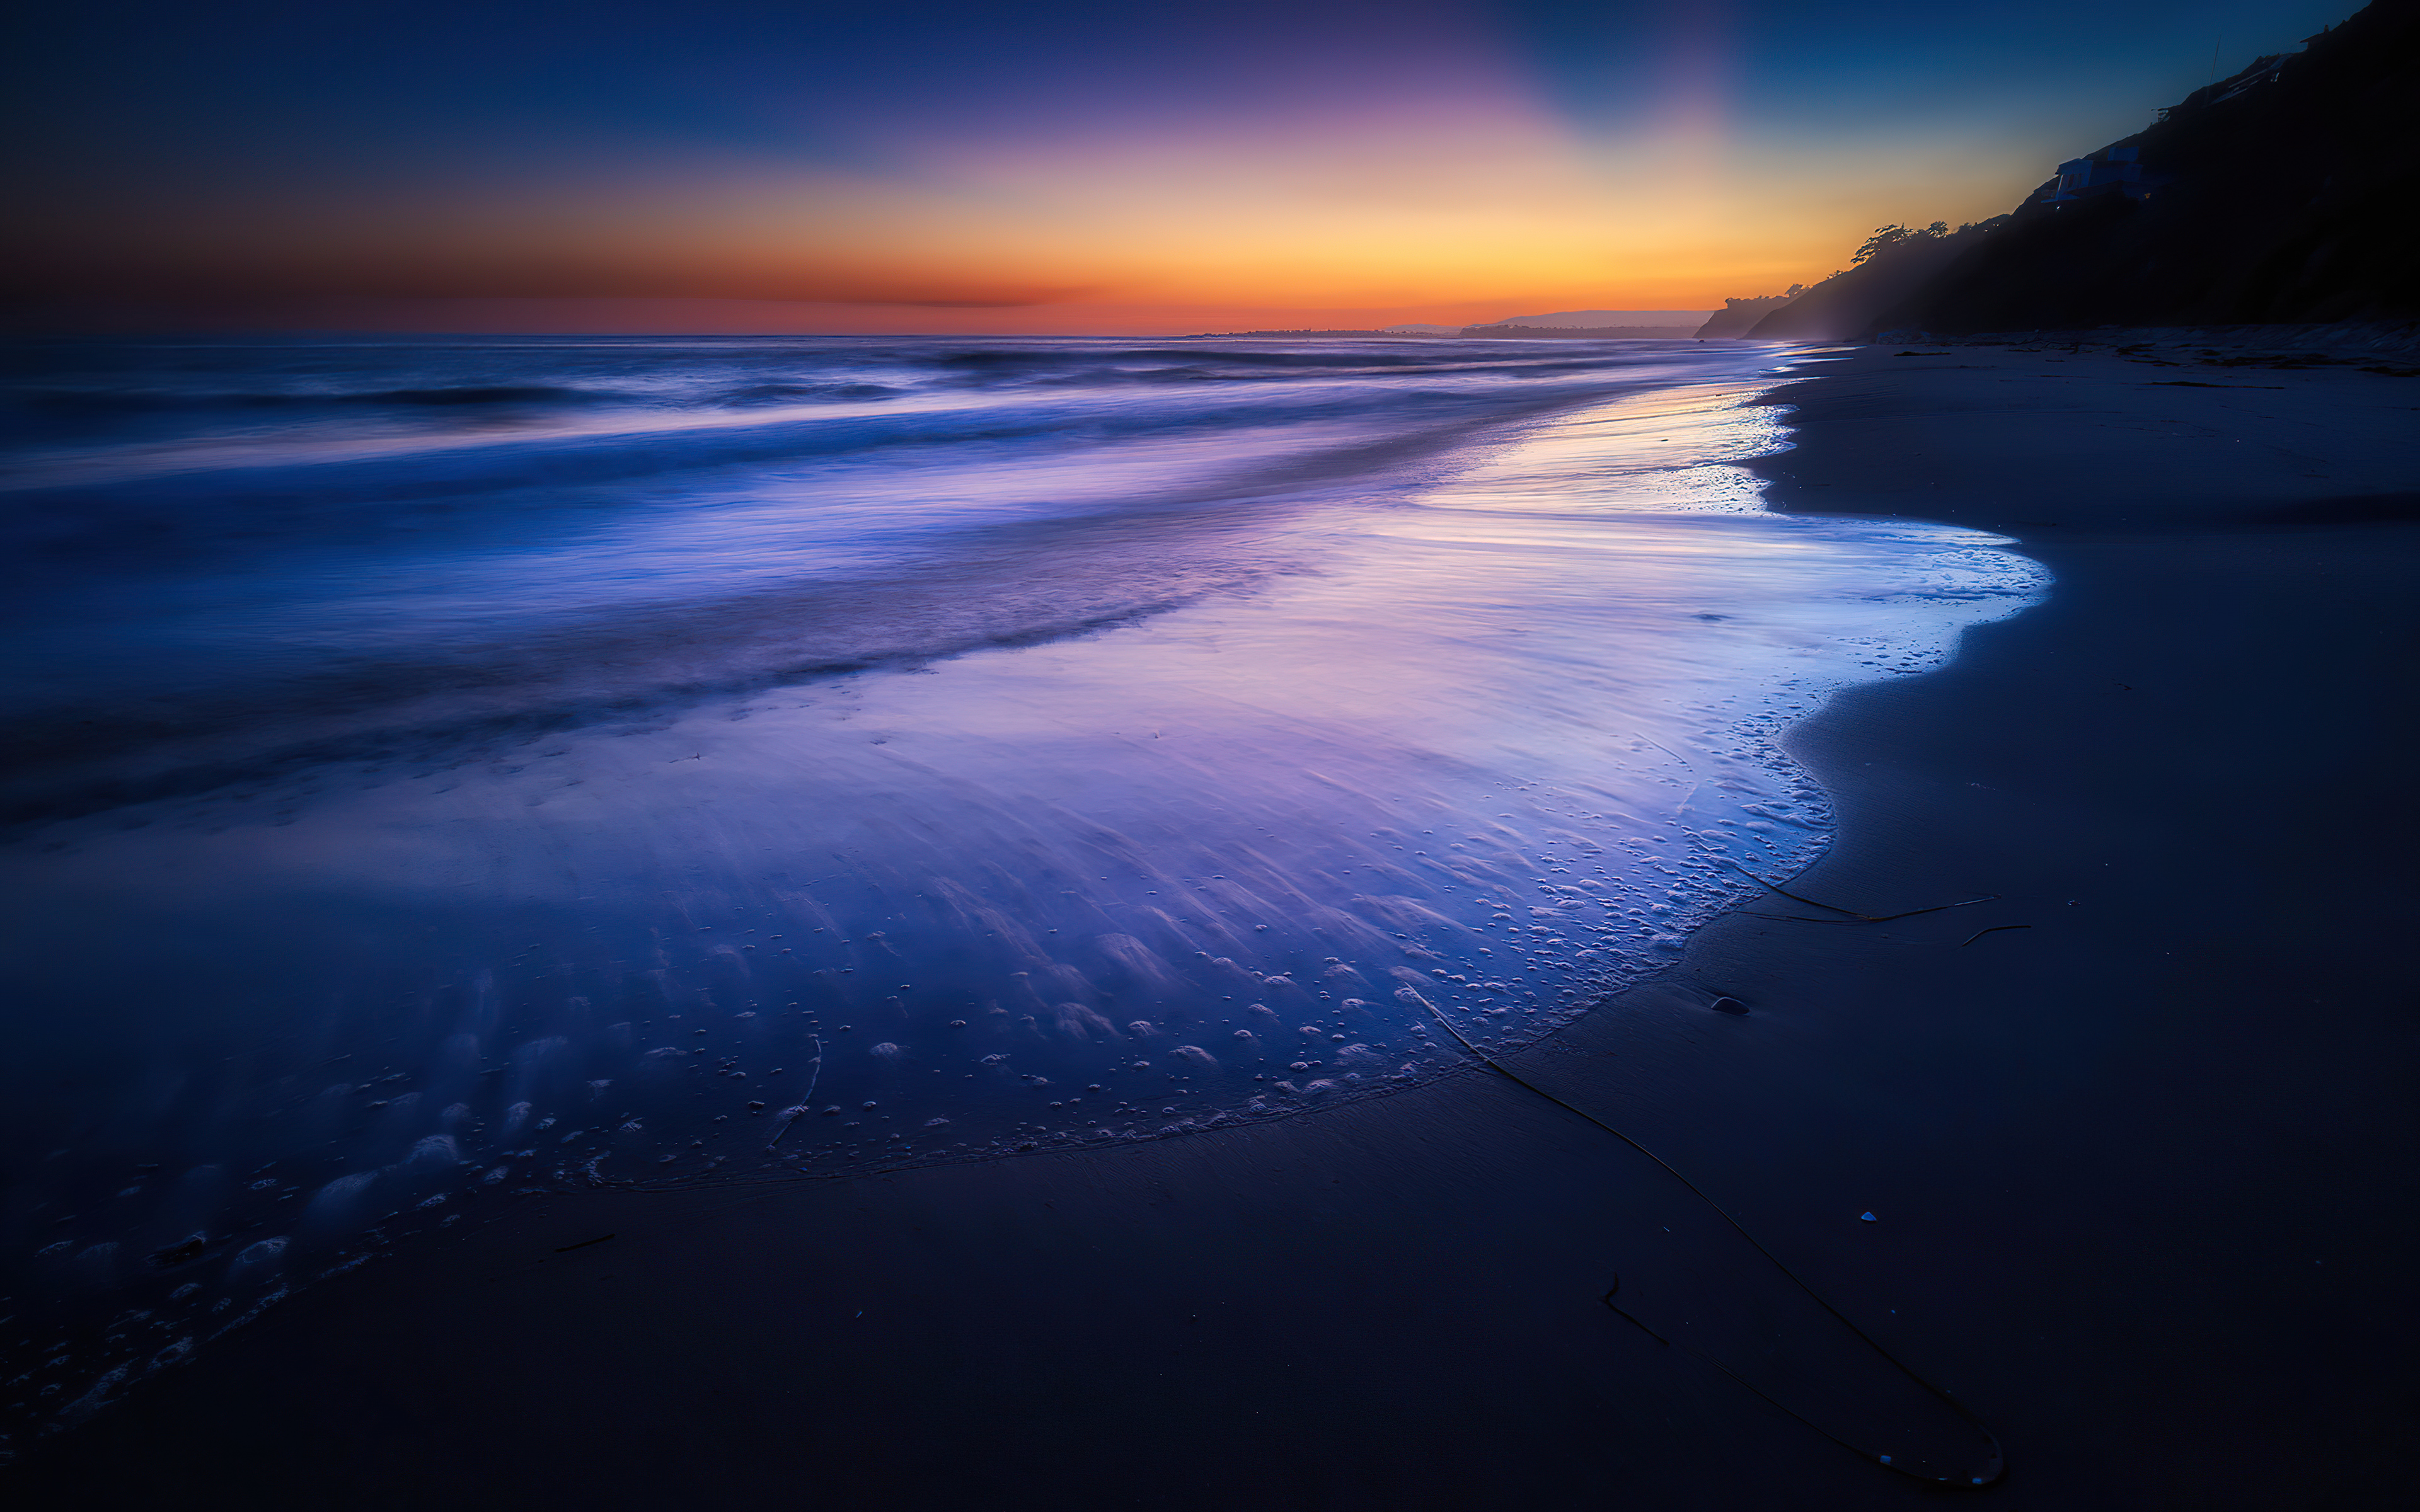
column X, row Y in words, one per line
column 1482, row 333
column 1584, row 333
column 1556, row 325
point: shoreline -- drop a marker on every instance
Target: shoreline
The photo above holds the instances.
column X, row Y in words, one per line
column 2137, row 1160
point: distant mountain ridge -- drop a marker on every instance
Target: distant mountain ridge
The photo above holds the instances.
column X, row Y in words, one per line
column 1582, row 332
column 1677, row 332
column 1596, row 325
column 1600, row 320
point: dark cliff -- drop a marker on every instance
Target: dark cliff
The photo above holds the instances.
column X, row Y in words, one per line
column 1848, row 302
column 2288, row 194
column 1738, row 316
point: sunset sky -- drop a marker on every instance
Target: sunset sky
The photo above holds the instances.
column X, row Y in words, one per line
column 1052, row 166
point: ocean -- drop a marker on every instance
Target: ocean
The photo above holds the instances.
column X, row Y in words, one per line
column 451, row 769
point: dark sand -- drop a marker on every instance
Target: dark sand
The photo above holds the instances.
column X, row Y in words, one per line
column 2143, row 1168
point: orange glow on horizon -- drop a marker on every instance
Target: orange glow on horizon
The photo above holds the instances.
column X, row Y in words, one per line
column 1044, row 168
column 1471, row 210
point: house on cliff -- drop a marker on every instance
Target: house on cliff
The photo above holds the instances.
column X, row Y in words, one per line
column 2111, row 171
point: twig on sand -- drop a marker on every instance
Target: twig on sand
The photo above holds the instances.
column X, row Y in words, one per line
column 1855, row 916
column 1993, row 930
column 1994, row 1464
column 792, row 1114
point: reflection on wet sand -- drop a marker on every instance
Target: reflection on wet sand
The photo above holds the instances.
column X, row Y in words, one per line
column 1484, row 738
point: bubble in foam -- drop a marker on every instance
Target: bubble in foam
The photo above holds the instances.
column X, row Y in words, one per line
column 262, row 1252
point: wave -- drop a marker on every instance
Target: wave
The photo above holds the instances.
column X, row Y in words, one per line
column 776, row 393
column 140, row 400
column 451, row 701
column 220, row 605
column 125, row 506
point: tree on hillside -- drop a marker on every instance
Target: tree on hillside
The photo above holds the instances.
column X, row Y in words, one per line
column 1886, row 238
column 1883, row 240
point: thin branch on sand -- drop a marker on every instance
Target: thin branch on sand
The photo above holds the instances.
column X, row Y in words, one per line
column 791, row 1114
column 1855, row 916
column 1993, row 930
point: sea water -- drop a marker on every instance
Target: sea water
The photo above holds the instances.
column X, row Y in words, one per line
column 454, row 769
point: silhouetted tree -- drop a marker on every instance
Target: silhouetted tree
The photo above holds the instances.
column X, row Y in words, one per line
column 1883, row 240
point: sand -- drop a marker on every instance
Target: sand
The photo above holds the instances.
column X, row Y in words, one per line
column 2138, row 1159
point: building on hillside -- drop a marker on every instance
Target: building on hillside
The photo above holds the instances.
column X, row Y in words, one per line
column 2112, row 171
column 2264, row 71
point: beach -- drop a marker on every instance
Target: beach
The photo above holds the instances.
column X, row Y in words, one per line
column 2128, row 1106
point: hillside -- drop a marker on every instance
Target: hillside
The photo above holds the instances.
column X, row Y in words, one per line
column 1738, row 316
column 1891, row 267
column 2289, row 193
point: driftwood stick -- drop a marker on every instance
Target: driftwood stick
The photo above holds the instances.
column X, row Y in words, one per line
column 1993, row 930
column 1855, row 916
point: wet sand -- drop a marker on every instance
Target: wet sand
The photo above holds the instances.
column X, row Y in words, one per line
column 2138, row 1157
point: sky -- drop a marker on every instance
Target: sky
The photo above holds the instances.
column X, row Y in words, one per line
column 1052, row 166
